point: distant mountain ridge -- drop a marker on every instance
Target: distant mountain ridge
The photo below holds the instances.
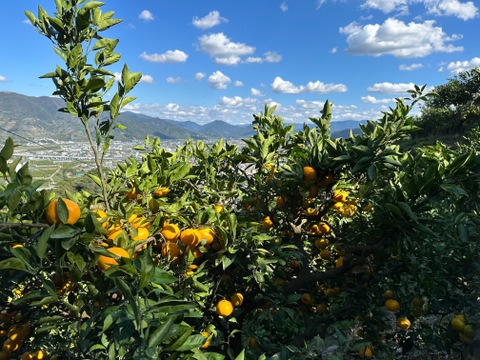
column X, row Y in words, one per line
column 38, row 117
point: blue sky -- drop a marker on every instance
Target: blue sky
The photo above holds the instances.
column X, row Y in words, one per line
column 205, row 60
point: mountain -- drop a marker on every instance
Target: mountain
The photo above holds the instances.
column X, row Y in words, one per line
column 38, row 117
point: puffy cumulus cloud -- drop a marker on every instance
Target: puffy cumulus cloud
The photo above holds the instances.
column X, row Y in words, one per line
column 146, row 15
column 148, row 79
column 410, row 67
column 218, row 80
column 373, row 100
column 389, row 88
column 3, row 78
column 210, row 20
column 222, row 49
column 238, row 83
column 284, row 7
column 256, row 92
column 456, row 67
column 399, row 39
column 200, row 75
column 254, row 60
column 333, row 50
column 462, row 10
column 286, row 87
column 174, row 80
column 169, row 57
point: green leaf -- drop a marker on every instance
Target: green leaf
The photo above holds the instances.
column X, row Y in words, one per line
column 125, row 289
column 7, row 150
column 161, row 276
column 43, row 241
column 95, row 179
column 185, row 332
column 161, row 333
column 372, row 172
column 148, row 269
column 93, row 4
column 12, row 264
column 192, row 342
column 63, row 232
column 241, row 356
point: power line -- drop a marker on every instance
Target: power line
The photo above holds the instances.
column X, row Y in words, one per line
column 23, row 137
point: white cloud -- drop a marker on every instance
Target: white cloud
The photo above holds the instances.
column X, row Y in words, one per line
column 256, row 92
column 148, row 79
column 464, row 11
column 284, row 7
column 238, row 83
column 320, row 3
column 174, row 80
column 272, row 57
column 286, row 87
column 254, row 60
column 212, row 19
column 399, row 39
column 373, row 100
column 333, row 50
column 171, row 56
column 2, row 78
column 223, row 49
column 389, row 88
column 218, row 80
column 228, row 60
column 200, row 75
column 457, row 67
column 386, row 6
column 410, row 67
column 146, row 15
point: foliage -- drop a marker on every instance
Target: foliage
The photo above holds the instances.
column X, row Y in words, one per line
column 406, row 222
column 75, row 31
column 326, row 244
column 455, row 109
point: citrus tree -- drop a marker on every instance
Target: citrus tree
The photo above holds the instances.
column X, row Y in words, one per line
column 296, row 245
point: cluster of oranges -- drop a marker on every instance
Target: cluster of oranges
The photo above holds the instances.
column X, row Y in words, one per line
column 15, row 333
column 391, row 304
column 466, row 331
column 225, row 307
column 195, row 240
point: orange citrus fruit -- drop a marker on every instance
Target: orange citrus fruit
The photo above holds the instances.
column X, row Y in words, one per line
column 170, row 250
column 339, row 196
column 190, row 237
column 224, row 308
column 51, row 213
column 309, row 174
column 104, row 262
column 266, row 223
column 458, row 323
column 142, row 234
column 403, row 323
column 307, row 299
column 392, row 305
column 236, row 299
column 208, row 235
column 170, row 232
column 102, row 217
column 208, row 341
column 160, row 191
